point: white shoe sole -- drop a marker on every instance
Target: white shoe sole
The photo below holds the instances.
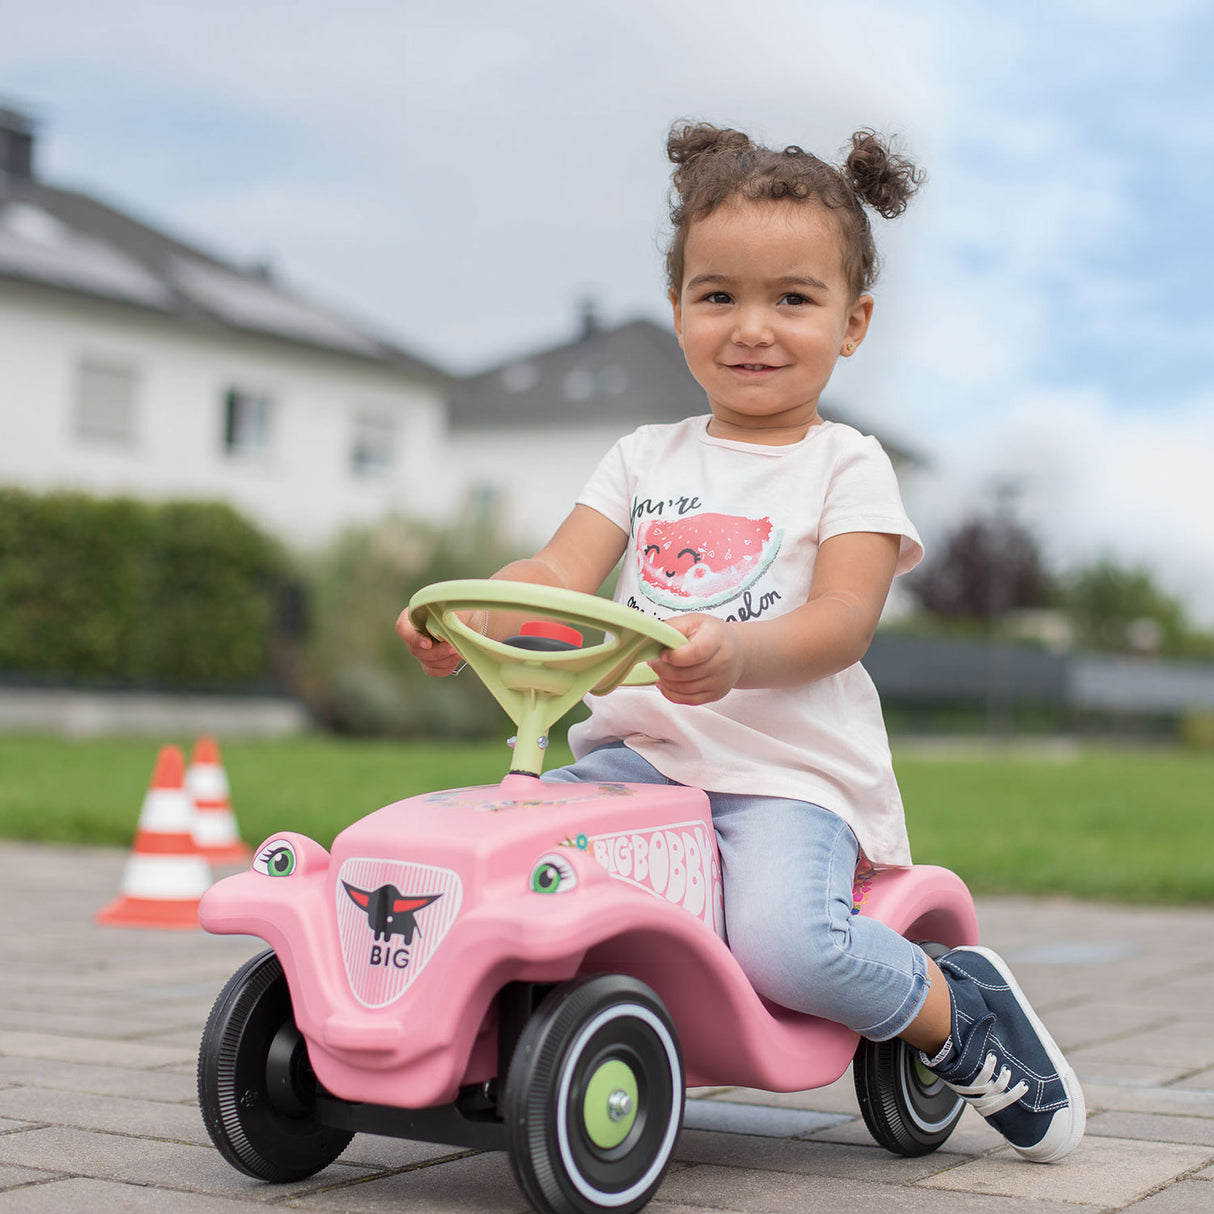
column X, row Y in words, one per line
column 1066, row 1128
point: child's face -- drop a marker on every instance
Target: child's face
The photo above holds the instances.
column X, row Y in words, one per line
column 763, row 314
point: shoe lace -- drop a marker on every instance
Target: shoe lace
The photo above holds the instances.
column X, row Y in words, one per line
column 990, row 1092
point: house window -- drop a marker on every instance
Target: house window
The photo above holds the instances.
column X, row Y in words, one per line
column 373, row 451
column 246, row 423
column 484, row 503
column 588, row 383
column 105, row 402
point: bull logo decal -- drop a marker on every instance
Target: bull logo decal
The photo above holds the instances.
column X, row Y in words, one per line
column 388, row 937
column 389, row 912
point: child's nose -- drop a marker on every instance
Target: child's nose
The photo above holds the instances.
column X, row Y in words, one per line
column 753, row 328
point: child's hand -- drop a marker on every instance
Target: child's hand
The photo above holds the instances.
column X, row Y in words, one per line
column 704, row 669
column 438, row 658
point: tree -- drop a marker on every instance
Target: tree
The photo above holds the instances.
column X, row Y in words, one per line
column 987, row 568
column 1114, row 607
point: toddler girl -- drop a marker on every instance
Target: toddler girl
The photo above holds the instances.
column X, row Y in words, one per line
column 769, row 536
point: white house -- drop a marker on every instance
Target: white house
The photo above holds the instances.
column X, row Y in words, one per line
column 135, row 363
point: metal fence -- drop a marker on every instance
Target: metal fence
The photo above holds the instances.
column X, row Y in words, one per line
column 921, row 670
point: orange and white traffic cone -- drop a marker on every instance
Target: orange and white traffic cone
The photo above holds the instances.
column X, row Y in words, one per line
column 166, row 875
column 215, row 829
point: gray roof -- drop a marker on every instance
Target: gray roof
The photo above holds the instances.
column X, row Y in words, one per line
column 634, row 373
column 73, row 242
column 631, row 374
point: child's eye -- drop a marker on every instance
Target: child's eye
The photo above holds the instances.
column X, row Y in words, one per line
column 793, row 298
column 717, row 297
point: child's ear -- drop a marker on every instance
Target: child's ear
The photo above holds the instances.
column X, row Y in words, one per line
column 677, row 309
column 858, row 319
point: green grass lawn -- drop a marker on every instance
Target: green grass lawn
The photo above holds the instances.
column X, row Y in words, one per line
column 91, row 791
column 1125, row 825
column 1129, row 825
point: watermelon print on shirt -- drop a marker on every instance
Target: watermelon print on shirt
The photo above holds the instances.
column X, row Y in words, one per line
column 703, row 560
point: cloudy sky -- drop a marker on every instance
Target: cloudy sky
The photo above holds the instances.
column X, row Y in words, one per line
column 462, row 174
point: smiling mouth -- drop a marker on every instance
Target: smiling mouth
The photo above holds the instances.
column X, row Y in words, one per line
column 753, row 367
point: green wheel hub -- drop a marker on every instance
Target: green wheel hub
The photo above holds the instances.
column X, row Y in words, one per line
column 925, row 1077
column 609, row 1108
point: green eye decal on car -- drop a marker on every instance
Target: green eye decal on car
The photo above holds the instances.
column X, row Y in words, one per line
column 276, row 859
column 552, row 874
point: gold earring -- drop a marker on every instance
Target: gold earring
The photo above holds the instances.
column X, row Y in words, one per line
column 851, row 345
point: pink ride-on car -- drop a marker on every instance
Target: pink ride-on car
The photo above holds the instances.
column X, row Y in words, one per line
column 524, row 966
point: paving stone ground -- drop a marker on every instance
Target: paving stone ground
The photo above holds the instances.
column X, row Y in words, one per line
column 99, row 1029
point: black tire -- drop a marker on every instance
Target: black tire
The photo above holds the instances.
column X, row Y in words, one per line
column 262, row 1123
column 594, row 1097
column 907, row 1109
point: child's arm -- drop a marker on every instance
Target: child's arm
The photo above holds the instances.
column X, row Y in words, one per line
column 830, row 632
column 579, row 556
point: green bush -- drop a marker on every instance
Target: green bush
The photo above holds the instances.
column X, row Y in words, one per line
column 356, row 675
column 122, row 592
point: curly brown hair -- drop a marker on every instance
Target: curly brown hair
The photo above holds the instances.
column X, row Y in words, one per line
column 713, row 164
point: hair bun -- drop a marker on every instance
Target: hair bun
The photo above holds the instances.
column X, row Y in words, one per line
column 880, row 177
column 689, row 140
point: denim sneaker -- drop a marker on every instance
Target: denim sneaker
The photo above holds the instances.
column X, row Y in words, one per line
column 1000, row 1058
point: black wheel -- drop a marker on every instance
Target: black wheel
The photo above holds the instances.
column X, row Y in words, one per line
column 594, row 1097
column 907, row 1109
column 255, row 1086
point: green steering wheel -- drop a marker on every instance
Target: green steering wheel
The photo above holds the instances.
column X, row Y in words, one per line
column 536, row 688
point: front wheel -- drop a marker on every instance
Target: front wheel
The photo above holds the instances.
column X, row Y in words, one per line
column 594, row 1097
column 255, row 1086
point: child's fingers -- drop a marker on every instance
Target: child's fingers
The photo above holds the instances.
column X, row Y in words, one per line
column 706, row 668
column 680, row 680
column 698, row 647
column 686, row 657
column 439, row 660
column 406, row 631
column 674, row 672
column 682, row 687
column 706, row 696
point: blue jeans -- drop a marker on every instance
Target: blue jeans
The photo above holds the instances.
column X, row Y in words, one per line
column 788, row 868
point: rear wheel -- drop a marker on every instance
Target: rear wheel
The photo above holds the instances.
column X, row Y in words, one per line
column 908, row 1109
column 256, row 1088
column 594, row 1097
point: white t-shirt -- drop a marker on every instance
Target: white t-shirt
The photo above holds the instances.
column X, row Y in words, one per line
column 733, row 529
